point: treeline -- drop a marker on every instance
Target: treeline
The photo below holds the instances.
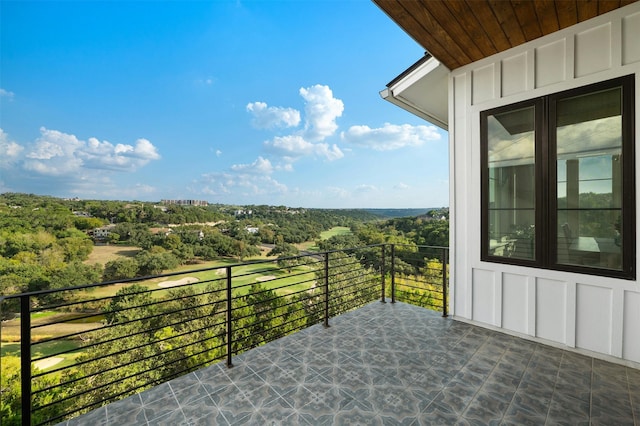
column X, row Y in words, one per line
column 410, row 231
column 44, row 242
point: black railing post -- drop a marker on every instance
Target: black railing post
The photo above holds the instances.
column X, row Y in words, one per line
column 383, row 272
column 229, row 319
column 326, row 289
column 393, row 273
column 25, row 358
column 444, row 282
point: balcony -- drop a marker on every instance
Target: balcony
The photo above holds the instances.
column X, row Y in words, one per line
column 351, row 359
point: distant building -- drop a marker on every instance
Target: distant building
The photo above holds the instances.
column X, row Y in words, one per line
column 201, row 203
column 102, row 232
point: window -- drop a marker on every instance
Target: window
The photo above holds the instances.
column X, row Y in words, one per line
column 558, row 181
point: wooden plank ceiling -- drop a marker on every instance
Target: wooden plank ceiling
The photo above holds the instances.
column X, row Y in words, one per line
column 458, row 32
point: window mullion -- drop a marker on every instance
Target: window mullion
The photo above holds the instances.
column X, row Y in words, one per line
column 545, row 191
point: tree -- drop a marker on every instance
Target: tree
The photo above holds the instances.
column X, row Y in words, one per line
column 350, row 283
column 120, row 269
column 285, row 251
column 153, row 262
column 76, row 248
column 10, row 402
column 243, row 250
column 132, row 357
column 266, row 234
column 75, row 274
column 53, row 400
column 171, row 241
column 149, row 340
column 86, row 223
column 113, row 237
column 184, row 253
column 135, row 233
column 263, row 317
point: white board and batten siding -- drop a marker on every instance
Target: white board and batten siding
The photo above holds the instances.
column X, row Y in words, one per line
column 596, row 315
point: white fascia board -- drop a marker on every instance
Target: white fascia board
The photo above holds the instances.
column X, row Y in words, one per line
column 423, row 92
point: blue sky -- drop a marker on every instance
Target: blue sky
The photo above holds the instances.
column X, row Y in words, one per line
column 234, row 102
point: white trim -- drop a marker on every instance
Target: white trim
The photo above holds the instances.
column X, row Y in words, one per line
column 432, row 74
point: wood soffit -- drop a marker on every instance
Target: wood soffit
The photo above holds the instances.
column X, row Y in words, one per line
column 458, row 32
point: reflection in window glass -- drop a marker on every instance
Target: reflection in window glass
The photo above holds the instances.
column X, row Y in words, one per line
column 511, row 191
column 589, row 180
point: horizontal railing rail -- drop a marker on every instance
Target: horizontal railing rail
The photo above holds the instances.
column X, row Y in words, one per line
column 86, row 346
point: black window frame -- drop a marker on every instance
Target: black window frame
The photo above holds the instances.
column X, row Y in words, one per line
column 546, row 220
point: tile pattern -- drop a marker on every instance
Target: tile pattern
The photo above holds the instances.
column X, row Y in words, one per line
column 391, row 364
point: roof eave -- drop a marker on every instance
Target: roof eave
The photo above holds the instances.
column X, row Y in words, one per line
column 422, row 90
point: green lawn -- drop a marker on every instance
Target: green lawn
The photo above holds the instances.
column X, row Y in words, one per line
column 43, row 314
column 46, row 350
column 269, row 275
column 325, row 235
column 336, row 230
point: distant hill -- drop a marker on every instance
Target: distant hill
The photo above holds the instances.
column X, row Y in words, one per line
column 393, row 213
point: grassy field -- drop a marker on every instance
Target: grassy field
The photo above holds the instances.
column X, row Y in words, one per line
column 325, row 235
column 104, row 254
column 11, row 329
column 45, row 350
column 336, row 230
column 269, row 275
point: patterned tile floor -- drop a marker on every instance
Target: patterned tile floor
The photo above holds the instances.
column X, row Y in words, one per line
column 388, row 364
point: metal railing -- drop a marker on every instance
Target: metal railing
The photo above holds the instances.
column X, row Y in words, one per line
column 86, row 346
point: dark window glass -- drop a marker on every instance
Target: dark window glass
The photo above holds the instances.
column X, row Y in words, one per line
column 558, row 181
column 512, row 184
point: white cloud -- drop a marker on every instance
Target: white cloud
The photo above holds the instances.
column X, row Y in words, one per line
column 401, row 186
column 266, row 117
column 330, row 152
column 218, row 153
column 260, row 166
column 292, row 146
column 287, row 167
column 56, row 153
column 321, row 111
column 390, row 136
column 9, row 150
column 253, row 179
column 295, row 146
column 61, row 164
column 6, row 94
